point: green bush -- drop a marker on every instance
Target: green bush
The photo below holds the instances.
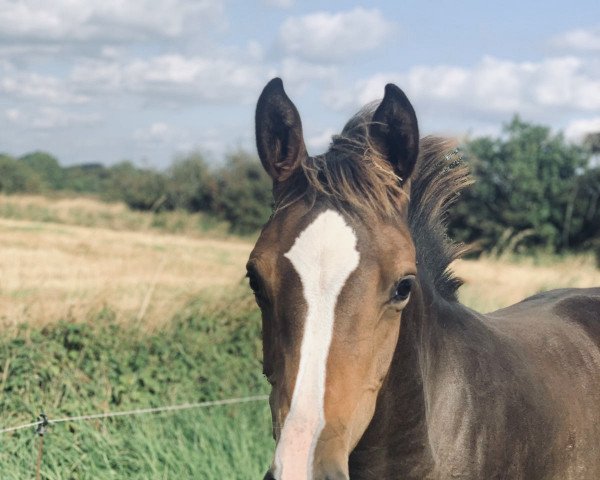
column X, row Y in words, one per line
column 585, row 213
column 17, row 177
column 190, row 184
column 88, row 178
column 139, row 189
column 46, row 167
column 243, row 193
column 525, row 184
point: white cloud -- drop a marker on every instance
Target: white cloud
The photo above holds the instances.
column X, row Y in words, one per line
column 279, row 3
column 299, row 74
column 179, row 141
column 579, row 39
column 161, row 133
column 77, row 20
column 492, row 87
column 578, row 129
column 174, row 76
column 320, row 141
column 18, row 50
column 13, row 115
column 339, row 36
column 48, row 118
column 254, row 50
column 29, row 85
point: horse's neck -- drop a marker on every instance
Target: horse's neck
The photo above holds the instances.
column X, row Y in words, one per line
column 398, row 433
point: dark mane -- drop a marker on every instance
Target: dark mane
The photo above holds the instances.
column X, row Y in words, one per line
column 437, row 181
column 356, row 179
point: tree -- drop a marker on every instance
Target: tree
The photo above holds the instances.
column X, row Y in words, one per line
column 87, row 178
column 525, row 190
column 190, row 184
column 592, row 142
column 46, row 167
column 243, row 192
column 140, row 189
column 587, row 208
column 17, row 177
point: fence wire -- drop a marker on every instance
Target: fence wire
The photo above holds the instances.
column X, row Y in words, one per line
column 44, row 421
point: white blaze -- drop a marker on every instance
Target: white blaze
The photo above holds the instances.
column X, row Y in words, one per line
column 324, row 255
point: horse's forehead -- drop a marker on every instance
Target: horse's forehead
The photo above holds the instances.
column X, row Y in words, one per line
column 324, row 249
column 329, row 234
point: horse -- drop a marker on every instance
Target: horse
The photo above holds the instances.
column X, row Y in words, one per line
column 377, row 371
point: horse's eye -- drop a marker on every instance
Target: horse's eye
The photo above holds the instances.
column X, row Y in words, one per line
column 253, row 282
column 403, row 288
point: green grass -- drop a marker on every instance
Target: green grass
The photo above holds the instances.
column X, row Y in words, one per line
column 223, row 442
column 207, row 353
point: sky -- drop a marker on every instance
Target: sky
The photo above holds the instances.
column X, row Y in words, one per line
column 151, row 80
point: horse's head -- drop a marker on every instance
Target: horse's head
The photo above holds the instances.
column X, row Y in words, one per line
column 332, row 272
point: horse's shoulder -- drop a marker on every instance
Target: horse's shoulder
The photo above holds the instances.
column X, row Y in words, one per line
column 578, row 297
column 565, row 294
column 575, row 305
column 559, row 308
column 565, row 301
column 581, row 306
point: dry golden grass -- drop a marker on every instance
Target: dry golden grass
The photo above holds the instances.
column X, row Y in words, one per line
column 53, row 271
column 91, row 212
column 62, row 205
column 491, row 284
column 55, row 267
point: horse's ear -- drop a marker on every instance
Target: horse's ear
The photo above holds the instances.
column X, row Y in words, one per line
column 395, row 132
column 278, row 132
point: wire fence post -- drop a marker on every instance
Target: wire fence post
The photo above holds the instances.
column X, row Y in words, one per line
column 40, row 431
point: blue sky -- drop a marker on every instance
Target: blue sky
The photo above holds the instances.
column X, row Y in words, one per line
column 147, row 80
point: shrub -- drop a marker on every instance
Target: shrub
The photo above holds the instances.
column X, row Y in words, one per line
column 46, row 167
column 17, row 177
column 525, row 181
column 190, row 184
column 139, row 189
column 87, row 178
column 243, row 193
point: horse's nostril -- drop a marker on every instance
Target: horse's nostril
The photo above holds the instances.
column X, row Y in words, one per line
column 269, row 476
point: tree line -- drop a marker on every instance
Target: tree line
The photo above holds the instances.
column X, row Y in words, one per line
column 533, row 189
column 237, row 190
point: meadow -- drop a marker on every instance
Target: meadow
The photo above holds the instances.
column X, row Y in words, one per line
column 106, row 309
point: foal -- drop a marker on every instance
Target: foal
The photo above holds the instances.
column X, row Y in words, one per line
column 377, row 371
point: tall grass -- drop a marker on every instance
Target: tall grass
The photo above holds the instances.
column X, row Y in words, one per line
column 230, row 442
column 208, row 352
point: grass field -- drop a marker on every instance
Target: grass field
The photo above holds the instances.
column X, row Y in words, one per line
column 207, row 352
column 104, row 309
column 56, row 271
